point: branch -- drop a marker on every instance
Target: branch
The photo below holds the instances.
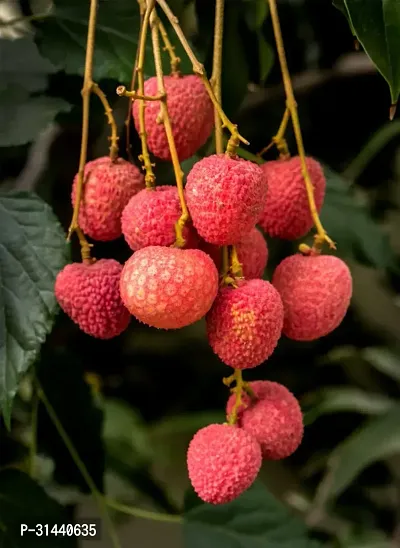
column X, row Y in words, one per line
column 217, row 71
column 291, row 104
column 180, row 241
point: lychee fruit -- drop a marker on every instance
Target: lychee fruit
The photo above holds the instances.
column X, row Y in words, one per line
column 225, row 197
column 89, row 295
column 168, row 287
column 286, row 212
column 108, row 187
column 190, row 110
column 150, row 217
column 223, row 461
column 316, row 292
column 252, row 253
column 273, row 418
column 245, row 323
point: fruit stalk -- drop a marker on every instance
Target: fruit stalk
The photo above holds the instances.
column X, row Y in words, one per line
column 108, row 111
column 198, row 69
column 180, row 241
column 145, row 157
column 279, row 139
column 217, row 71
column 291, row 104
column 174, row 59
column 238, row 391
column 133, row 82
column 85, row 92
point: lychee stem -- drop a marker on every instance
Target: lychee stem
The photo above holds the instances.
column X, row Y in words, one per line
column 291, row 104
column 198, row 68
column 217, row 71
column 180, row 241
column 110, row 117
column 128, row 119
column 134, row 95
column 175, row 61
column 238, row 391
column 144, row 157
column 85, row 92
column 279, row 139
column 236, row 265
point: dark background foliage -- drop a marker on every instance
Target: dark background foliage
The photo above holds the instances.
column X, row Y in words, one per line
column 131, row 404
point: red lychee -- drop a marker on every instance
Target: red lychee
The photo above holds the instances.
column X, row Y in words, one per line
column 274, row 418
column 107, row 189
column 225, row 197
column 252, row 253
column 316, row 292
column 167, row 287
column 89, row 294
column 245, row 323
column 286, row 212
column 150, row 217
column 223, row 461
column 190, row 110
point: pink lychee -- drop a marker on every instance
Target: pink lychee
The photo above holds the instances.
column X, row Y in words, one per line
column 316, row 292
column 168, row 287
column 107, row 189
column 89, row 295
column 252, row 253
column 150, row 218
column 273, row 418
column 286, row 212
column 223, row 461
column 225, row 197
column 190, row 110
column 245, row 323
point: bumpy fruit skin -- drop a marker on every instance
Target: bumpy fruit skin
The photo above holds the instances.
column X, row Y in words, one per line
column 286, row 212
column 252, row 254
column 245, row 323
column 316, row 293
column 274, row 419
column 223, row 461
column 150, row 217
column 89, row 294
column 167, row 287
column 225, row 197
column 107, row 189
column 191, row 113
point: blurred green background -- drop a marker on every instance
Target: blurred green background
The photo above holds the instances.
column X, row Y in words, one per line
column 150, row 390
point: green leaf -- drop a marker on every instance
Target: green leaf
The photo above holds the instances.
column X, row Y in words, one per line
column 377, row 439
column 256, row 12
column 22, row 65
column 346, row 399
column 62, row 39
column 350, row 225
column 23, row 501
column 32, row 252
column 22, row 72
column 376, row 24
column 24, row 117
column 61, row 378
column 254, row 520
column 384, row 361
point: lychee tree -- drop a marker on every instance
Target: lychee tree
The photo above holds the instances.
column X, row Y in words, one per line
column 192, row 204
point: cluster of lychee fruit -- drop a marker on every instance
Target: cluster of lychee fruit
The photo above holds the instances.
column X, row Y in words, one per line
column 164, row 286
